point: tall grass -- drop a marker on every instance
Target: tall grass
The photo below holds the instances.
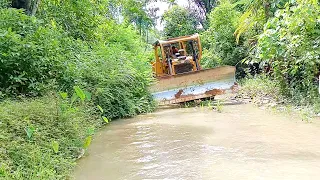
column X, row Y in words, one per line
column 261, row 87
column 41, row 138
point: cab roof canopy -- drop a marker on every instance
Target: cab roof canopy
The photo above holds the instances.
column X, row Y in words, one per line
column 177, row 39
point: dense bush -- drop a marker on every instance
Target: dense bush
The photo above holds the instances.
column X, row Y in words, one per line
column 59, row 48
column 80, row 19
column 32, row 55
column 4, row 3
column 41, row 138
column 36, row 56
column 291, row 44
column 220, row 46
column 261, row 87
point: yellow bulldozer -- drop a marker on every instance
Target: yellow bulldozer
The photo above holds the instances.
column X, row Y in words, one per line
column 179, row 76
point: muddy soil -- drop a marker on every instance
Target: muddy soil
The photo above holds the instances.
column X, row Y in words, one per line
column 242, row 142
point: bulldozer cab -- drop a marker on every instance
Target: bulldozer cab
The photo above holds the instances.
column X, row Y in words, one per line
column 177, row 55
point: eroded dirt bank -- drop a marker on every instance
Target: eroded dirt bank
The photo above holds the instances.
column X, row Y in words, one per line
column 242, row 142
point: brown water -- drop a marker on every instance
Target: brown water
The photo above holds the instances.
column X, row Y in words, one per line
column 242, row 142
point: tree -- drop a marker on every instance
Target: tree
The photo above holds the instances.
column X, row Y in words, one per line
column 219, row 44
column 205, row 6
column 135, row 12
column 290, row 43
column 30, row 6
column 172, row 3
column 179, row 22
column 257, row 11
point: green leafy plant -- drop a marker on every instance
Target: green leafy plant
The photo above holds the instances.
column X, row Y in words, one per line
column 79, row 93
column 179, row 22
column 219, row 106
column 55, row 146
column 209, row 104
column 220, row 46
column 87, row 142
column 290, row 43
column 100, row 108
column 29, row 131
column 105, row 119
column 73, row 48
column 41, row 139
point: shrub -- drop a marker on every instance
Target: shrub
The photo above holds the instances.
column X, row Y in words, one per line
column 4, row 4
column 32, row 55
column 219, row 43
column 260, row 87
column 41, row 138
column 69, row 43
column 79, row 19
column 290, row 43
column 36, row 57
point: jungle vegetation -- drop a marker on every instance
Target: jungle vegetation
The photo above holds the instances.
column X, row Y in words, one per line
column 68, row 67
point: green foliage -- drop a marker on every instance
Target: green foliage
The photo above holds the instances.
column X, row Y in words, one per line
column 87, row 142
column 290, row 42
column 55, row 146
column 79, row 18
column 29, row 130
column 36, row 57
column 4, row 4
column 179, row 22
column 68, row 47
column 219, row 106
column 31, row 55
column 260, row 87
column 105, row 119
column 209, row 59
column 135, row 12
column 219, row 44
column 41, row 138
column 256, row 13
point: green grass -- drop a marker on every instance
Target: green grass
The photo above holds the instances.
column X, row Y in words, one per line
column 41, row 138
column 219, row 106
column 262, row 87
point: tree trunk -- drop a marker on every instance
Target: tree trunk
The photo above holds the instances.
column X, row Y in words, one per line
column 266, row 6
column 35, row 7
column 30, row 6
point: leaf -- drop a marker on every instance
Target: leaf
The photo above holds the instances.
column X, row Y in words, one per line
column 79, row 93
column 27, row 118
column 74, row 98
column 105, row 119
column 100, row 108
column 64, row 95
column 55, row 146
column 29, row 130
column 88, row 95
column 90, row 131
column 87, row 142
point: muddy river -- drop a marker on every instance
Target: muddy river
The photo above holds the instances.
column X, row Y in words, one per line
column 242, row 142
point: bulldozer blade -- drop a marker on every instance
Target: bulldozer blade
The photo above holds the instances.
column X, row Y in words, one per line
column 194, row 85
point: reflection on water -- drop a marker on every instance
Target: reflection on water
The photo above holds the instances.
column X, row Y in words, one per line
column 243, row 142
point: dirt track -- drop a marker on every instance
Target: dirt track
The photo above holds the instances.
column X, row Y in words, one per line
column 242, row 142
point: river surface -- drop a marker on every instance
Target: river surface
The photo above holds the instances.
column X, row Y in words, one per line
column 242, row 142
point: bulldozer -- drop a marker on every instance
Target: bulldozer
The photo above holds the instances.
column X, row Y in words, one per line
column 179, row 76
